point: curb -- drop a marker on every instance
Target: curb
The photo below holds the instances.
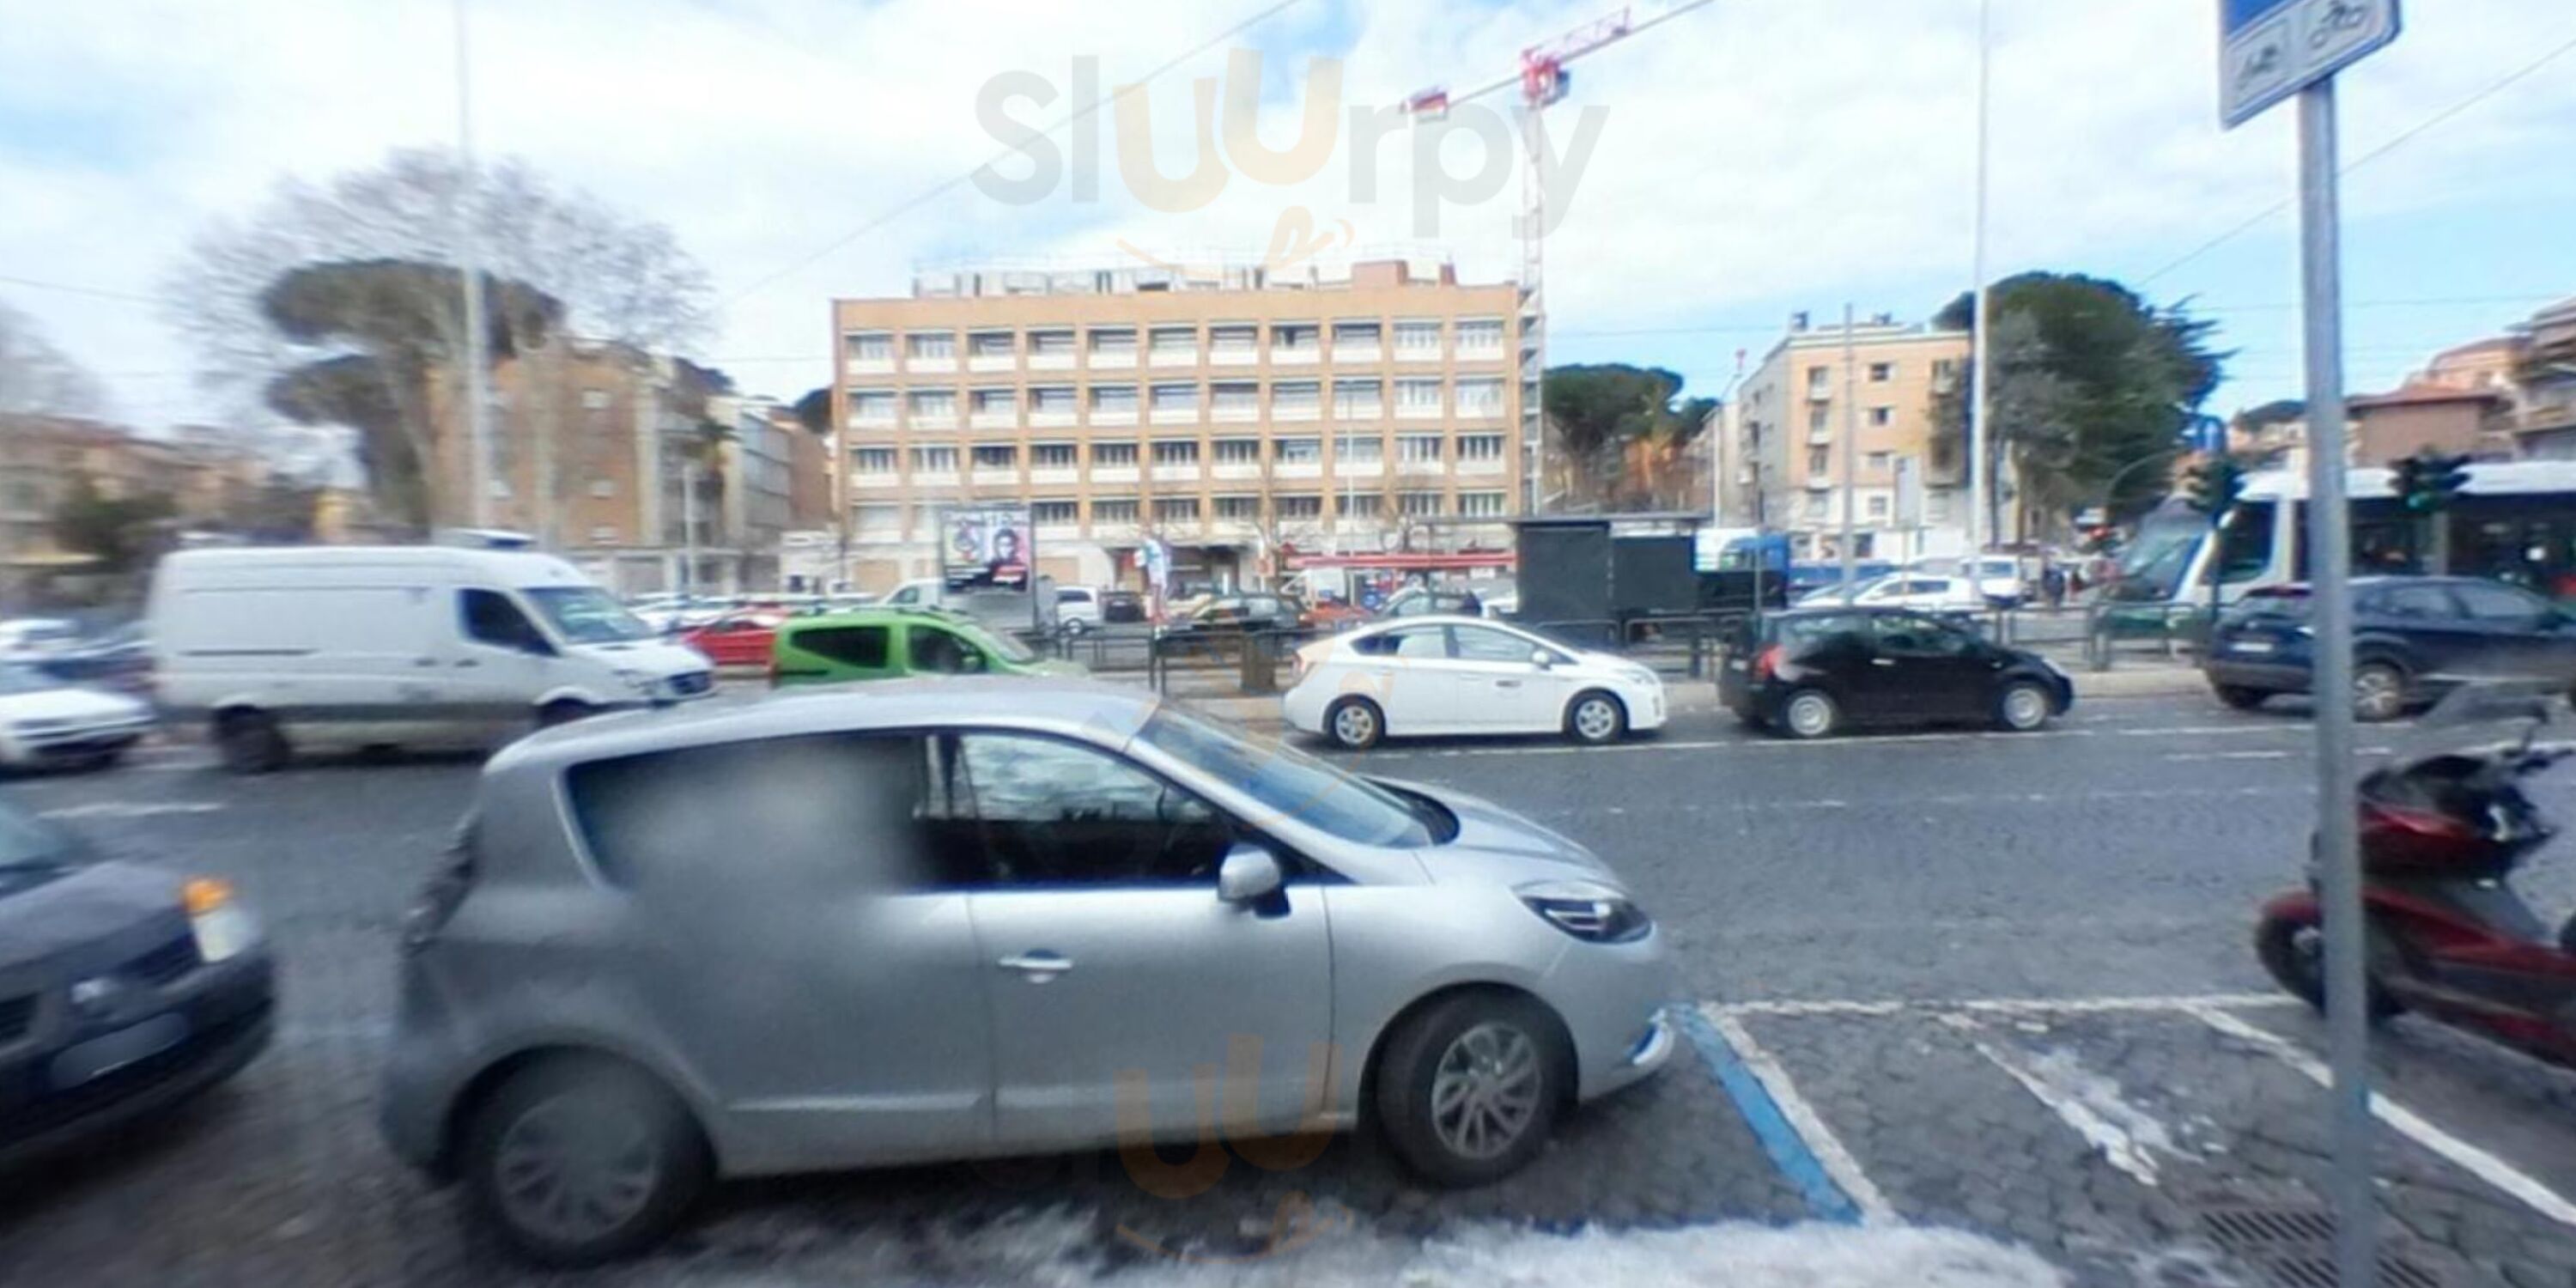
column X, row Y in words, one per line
column 2161, row 681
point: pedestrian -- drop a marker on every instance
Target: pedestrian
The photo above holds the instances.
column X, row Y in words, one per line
column 2052, row 583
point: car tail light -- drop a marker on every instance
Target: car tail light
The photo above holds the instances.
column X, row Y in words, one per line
column 447, row 888
column 1766, row 663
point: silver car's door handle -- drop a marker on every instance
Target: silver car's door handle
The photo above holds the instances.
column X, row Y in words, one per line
column 1038, row 966
column 1507, row 684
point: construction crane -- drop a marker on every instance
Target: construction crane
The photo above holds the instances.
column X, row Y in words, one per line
column 1543, row 80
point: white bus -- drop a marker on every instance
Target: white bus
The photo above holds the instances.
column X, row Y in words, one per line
column 2515, row 521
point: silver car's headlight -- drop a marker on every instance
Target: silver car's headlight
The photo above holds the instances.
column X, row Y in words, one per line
column 1587, row 910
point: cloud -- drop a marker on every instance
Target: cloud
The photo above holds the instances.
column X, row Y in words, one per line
column 1756, row 155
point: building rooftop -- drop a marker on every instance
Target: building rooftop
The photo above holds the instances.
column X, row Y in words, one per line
column 993, row 279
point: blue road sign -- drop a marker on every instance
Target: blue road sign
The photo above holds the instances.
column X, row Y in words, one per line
column 2271, row 49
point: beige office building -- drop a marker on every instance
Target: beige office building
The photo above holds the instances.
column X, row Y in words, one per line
column 1799, row 413
column 1239, row 415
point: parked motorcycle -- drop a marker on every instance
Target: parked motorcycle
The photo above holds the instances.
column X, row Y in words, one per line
column 2442, row 831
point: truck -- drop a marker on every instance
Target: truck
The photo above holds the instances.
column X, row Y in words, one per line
column 1596, row 576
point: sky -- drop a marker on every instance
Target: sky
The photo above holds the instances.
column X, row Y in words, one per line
column 1741, row 162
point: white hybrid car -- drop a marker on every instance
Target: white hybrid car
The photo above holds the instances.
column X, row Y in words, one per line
column 44, row 721
column 1463, row 675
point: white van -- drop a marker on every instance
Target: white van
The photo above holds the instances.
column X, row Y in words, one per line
column 361, row 646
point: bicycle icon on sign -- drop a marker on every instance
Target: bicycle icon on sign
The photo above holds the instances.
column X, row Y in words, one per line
column 2340, row 19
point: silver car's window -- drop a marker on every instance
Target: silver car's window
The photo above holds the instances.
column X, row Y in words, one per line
column 1022, row 810
column 1287, row 782
column 748, row 820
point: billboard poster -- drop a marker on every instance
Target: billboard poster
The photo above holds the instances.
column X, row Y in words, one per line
column 987, row 545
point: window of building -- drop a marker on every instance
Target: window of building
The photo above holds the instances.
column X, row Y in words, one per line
column 1815, row 505
column 1936, row 507
column 1176, row 509
column 1354, row 334
column 1242, row 338
column 1945, row 368
column 1052, row 456
column 1881, row 415
column 1296, row 395
column 930, row 405
column 1057, row 400
column 877, row 519
column 868, row 346
column 1417, row 338
column 872, row 404
column 1480, row 447
column 997, row 400
column 1881, row 372
column 1418, row 449
column 1051, row 344
column 594, row 399
column 1239, row 508
column 1113, row 340
column 1301, row 507
column 1476, row 334
column 996, row 456
column 1357, row 398
column 934, row 460
column 1819, row 379
column 1234, row 396
column 603, row 489
column 992, row 344
column 1877, row 507
column 1364, row 449
column 1298, row 451
column 1480, row 397
column 1238, row 451
column 1180, row 451
column 1054, row 514
column 873, row 460
column 1117, row 510
column 1419, row 505
column 1174, row 339
column 1819, row 460
column 1417, row 396
column 1294, row 335
column 1113, row 398
column 1480, row 505
column 1818, row 419
column 1880, row 461
column 934, row 345
column 1179, row 397
column 1113, row 453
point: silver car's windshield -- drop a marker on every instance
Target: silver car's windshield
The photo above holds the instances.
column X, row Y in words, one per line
column 1287, row 780
column 588, row 615
column 26, row 679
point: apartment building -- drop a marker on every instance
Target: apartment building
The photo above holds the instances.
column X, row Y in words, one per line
column 1806, row 407
column 1237, row 415
column 208, row 481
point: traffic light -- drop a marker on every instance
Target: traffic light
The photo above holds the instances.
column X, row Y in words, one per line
column 2215, row 484
column 2427, row 481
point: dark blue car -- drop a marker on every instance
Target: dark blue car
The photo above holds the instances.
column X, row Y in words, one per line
column 2413, row 638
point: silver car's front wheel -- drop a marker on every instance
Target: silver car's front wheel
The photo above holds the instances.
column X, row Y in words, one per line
column 1469, row 1087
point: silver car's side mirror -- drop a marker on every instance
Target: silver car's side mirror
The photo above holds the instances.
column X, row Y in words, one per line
column 1249, row 873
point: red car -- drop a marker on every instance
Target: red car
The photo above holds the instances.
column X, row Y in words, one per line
column 737, row 639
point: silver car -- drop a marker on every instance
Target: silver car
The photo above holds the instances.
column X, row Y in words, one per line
column 947, row 919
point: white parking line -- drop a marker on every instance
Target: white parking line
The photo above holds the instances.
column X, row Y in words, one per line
column 2031, row 1006
column 2469, row 1158
column 2091, row 1105
column 132, row 809
column 1859, row 741
column 1843, row 1169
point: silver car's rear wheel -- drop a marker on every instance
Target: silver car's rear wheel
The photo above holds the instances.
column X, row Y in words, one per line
column 575, row 1162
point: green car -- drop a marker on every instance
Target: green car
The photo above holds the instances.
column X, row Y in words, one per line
column 887, row 643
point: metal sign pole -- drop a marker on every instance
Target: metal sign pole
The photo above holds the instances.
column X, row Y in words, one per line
column 2329, row 563
column 1850, row 445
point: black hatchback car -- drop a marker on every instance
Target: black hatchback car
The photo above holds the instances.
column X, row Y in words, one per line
column 2412, row 639
column 1813, row 672
column 123, row 989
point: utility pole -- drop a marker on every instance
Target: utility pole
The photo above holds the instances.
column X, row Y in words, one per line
column 1980, row 385
column 1851, row 435
column 470, row 267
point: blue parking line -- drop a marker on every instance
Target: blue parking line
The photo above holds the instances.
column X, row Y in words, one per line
column 1788, row 1150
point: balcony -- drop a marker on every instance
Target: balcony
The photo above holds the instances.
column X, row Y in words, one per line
column 1358, row 469
column 871, row 418
column 1425, row 353
column 1006, row 418
column 2542, row 410
column 1112, row 358
column 931, row 363
column 1235, row 471
column 1114, row 530
column 993, row 360
column 997, row 476
column 1820, row 438
column 1054, row 475
column 1114, row 415
column 1480, row 411
column 934, row 478
column 1054, row 418
column 1480, row 353
column 1357, row 354
column 935, row 419
column 869, row 366
column 1491, row 465
column 1176, row 415
column 1300, row 355
column 867, row 482
column 1359, row 410
column 1114, row 474
column 1239, row 529
column 1188, row 473
column 1234, row 355
column 1064, row 530
column 1163, row 357
column 1419, row 469
column 1298, row 470
column 1179, row 527
column 1235, row 413
column 1296, row 411
column 1418, row 410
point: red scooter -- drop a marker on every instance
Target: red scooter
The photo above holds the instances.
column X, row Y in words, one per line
column 2449, row 936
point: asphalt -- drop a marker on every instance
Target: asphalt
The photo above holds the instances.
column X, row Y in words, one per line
column 1988, row 982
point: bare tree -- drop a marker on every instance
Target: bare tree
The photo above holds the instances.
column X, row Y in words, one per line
column 619, row 279
column 38, row 379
